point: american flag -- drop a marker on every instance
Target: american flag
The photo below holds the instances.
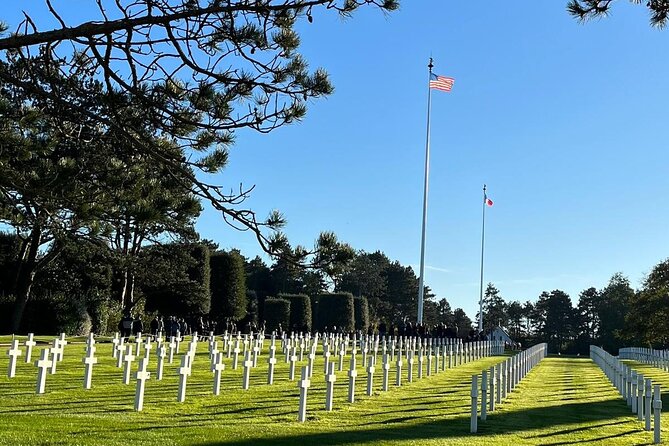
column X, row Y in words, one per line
column 442, row 83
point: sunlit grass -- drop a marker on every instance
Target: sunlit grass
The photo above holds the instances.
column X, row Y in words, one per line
column 562, row 401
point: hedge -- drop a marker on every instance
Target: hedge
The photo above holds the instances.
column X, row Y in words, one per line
column 228, row 286
column 336, row 311
column 300, row 311
column 277, row 312
column 361, row 309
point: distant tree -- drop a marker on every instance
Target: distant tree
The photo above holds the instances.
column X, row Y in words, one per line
column 531, row 318
column 366, row 277
column 648, row 310
column 516, row 320
column 589, row 303
column 333, row 257
column 445, row 314
column 462, row 322
column 557, row 319
column 312, row 282
column 614, row 301
column 494, row 308
column 589, row 9
column 401, row 291
column 228, row 286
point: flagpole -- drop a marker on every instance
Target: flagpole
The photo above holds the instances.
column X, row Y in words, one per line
column 482, row 250
column 425, row 190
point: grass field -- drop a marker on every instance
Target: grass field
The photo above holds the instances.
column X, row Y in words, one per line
column 561, row 401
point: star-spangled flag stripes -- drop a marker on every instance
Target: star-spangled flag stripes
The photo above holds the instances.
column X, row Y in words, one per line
column 441, row 83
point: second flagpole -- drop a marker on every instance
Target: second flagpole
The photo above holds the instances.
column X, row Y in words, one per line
column 421, row 290
column 482, row 251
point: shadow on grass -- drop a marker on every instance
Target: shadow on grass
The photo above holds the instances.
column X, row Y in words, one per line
column 596, row 413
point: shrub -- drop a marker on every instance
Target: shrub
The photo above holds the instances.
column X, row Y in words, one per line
column 277, row 312
column 300, row 311
column 336, row 310
column 361, row 309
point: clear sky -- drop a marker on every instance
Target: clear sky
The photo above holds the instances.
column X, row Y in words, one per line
column 565, row 123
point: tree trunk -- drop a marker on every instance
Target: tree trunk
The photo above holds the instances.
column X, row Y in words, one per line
column 25, row 279
column 128, row 292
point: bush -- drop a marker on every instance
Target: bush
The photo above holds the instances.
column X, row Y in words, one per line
column 336, row 310
column 174, row 279
column 277, row 312
column 228, row 286
column 361, row 309
column 300, row 311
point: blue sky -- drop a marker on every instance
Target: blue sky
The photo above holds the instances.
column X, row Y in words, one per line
column 565, row 123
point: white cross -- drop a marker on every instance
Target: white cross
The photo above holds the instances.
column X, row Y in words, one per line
column 330, row 379
column 184, row 372
column 115, row 341
column 88, row 361
column 147, row 347
column 172, row 345
column 161, row 359
column 248, row 363
column 138, row 341
column 42, row 364
column 62, row 343
column 128, row 359
column 218, row 368
column 13, row 354
column 142, row 375
column 55, row 352
column 120, row 349
column 272, row 362
column 30, row 343
column 304, row 385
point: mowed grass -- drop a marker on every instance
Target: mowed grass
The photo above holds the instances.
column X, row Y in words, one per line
column 562, row 401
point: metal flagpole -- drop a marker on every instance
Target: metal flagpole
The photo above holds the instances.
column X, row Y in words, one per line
column 427, row 173
column 482, row 247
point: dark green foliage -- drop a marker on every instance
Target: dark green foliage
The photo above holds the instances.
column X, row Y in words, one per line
column 228, row 286
column 300, row 312
column 175, row 279
column 9, row 253
column 556, row 317
column 590, row 9
column 367, row 277
column 336, row 310
column 462, row 323
column 361, row 309
column 277, row 314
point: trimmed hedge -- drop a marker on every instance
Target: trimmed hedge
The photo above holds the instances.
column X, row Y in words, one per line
column 361, row 310
column 277, row 312
column 300, row 311
column 228, row 286
column 175, row 279
column 336, row 310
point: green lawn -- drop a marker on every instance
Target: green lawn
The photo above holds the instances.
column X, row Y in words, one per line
column 562, row 401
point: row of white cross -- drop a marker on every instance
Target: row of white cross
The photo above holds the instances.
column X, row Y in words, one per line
column 631, row 385
column 502, row 379
column 656, row 358
column 126, row 353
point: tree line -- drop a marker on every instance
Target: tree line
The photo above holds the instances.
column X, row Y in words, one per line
column 612, row 317
column 85, row 288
